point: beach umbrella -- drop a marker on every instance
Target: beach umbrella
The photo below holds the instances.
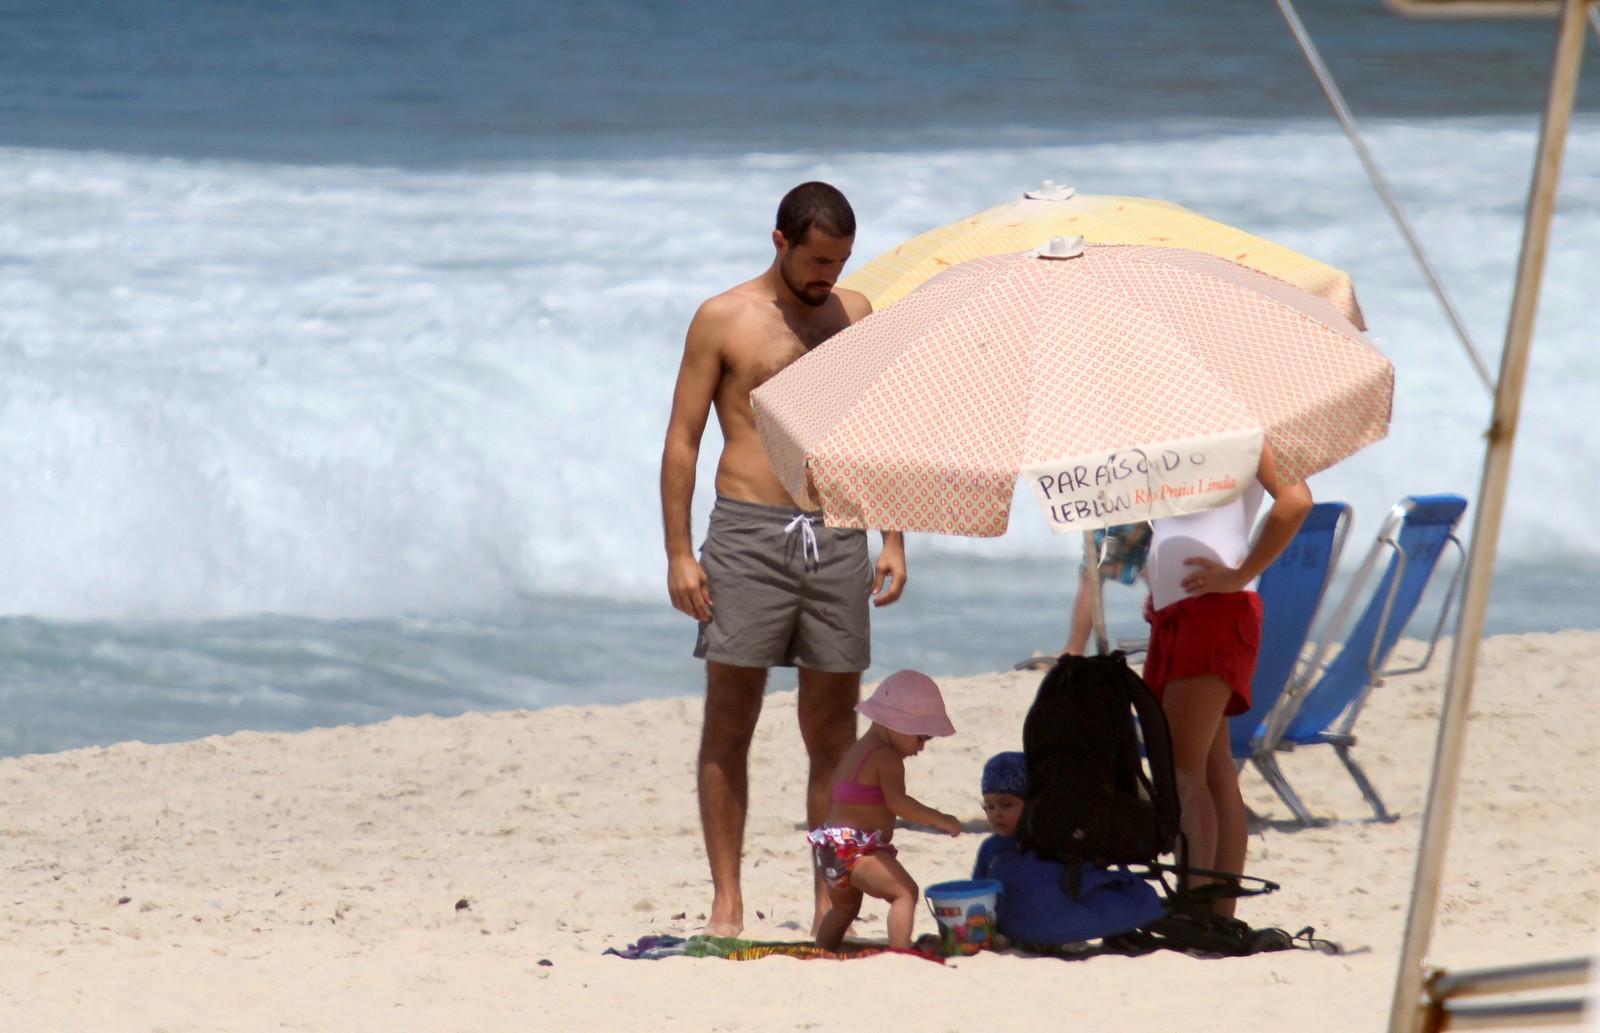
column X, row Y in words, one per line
column 1056, row 210
column 1120, row 382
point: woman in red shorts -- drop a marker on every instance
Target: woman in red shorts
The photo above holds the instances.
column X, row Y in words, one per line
column 1205, row 632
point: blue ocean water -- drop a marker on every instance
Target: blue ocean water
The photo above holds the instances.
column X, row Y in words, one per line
column 337, row 338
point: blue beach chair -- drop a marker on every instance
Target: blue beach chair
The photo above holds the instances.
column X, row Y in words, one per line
column 1291, row 593
column 1324, row 699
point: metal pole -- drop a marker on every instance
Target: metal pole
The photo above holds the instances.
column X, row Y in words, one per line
column 1566, row 1011
column 1510, row 979
column 1341, row 111
column 1096, row 589
column 1407, row 1012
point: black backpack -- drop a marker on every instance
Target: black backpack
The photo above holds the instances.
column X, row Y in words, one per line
column 1102, row 791
column 1093, row 795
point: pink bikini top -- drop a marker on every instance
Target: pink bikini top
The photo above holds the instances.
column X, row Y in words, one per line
column 853, row 791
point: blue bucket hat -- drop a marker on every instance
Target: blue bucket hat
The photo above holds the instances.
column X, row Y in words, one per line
column 1006, row 773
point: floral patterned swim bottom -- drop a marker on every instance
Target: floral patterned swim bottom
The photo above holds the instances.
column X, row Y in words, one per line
column 837, row 849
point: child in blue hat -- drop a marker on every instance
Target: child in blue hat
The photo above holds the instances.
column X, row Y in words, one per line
column 1035, row 911
column 1005, row 783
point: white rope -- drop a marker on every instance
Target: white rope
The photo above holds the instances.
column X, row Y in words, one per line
column 1342, row 110
column 810, row 552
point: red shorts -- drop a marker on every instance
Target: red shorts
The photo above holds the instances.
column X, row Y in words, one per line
column 1216, row 633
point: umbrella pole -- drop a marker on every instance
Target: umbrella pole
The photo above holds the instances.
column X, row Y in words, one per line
column 1409, row 1013
column 1095, row 587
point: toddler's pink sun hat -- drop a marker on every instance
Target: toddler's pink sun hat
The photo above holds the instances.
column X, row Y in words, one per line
column 908, row 702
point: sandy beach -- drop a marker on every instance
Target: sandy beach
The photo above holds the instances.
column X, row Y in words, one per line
column 469, row 873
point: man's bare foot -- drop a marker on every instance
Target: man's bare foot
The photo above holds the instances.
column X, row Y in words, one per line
column 726, row 919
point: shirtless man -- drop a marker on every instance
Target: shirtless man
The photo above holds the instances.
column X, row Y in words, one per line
column 772, row 586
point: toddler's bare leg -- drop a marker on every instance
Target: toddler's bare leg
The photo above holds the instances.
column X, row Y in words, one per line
column 844, row 905
column 882, row 876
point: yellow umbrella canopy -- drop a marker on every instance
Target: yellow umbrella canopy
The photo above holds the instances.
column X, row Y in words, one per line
column 1055, row 210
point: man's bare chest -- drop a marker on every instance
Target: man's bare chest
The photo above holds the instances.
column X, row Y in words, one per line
column 766, row 353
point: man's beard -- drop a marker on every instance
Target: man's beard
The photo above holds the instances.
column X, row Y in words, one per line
column 802, row 292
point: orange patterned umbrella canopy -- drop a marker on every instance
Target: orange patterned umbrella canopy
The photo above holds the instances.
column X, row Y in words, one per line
column 1056, row 210
column 1120, row 382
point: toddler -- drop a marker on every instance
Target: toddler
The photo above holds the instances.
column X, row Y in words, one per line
column 1004, row 784
column 852, row 849
column 1035, row 910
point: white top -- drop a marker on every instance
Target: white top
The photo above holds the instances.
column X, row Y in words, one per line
column 1221, row 534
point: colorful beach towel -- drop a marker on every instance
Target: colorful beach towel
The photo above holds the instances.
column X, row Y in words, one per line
column 652, row 948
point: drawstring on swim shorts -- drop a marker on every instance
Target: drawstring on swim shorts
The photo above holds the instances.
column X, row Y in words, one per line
column 809, row 550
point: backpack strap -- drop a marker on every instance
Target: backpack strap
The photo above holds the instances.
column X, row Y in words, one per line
column 1157, row 747
column 1199, row 899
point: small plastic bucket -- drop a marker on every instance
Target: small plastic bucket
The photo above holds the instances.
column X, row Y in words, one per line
column 965, row 911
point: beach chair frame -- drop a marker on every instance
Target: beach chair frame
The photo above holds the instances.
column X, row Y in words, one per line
column 1335, row 519
column 1359, row 596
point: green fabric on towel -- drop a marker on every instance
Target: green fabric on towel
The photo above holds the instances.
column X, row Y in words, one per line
column 651, row 948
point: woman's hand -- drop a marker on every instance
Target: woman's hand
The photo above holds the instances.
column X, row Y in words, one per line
column 1211, row 576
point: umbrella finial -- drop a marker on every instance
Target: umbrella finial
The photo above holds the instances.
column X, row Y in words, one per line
column 1060, row 247
column 1050, row 190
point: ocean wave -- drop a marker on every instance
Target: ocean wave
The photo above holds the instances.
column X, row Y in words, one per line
column 239, row 388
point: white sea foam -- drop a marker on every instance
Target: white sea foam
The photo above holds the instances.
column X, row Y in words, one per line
column 234, row 389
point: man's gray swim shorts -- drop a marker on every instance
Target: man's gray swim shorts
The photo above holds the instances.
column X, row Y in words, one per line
column 785, row 590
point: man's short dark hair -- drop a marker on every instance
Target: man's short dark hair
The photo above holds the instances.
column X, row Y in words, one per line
column 818, row 205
